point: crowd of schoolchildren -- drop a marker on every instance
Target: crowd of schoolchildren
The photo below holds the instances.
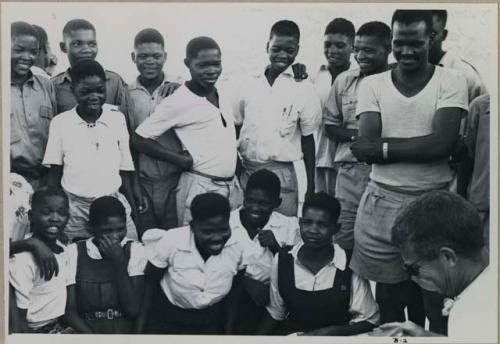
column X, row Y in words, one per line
column 166, row 208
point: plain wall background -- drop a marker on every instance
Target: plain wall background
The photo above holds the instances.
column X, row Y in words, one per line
column 242, row 30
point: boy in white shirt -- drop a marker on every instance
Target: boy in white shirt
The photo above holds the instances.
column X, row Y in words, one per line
column 262, row 231
column 201, row 117
column 38, row 303
column 190, row 271
column 278, row 117
column 88, row 152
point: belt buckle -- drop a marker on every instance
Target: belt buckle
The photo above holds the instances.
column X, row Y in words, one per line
column 110, row 314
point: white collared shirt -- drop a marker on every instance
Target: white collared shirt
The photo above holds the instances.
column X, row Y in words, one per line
column 43, row 300
column 190, row 282
column 258, row 259
column 474, row 316
column 362, row 305
column 92, row 157
column 199, row 126
column 136, row 264
column 273, row 118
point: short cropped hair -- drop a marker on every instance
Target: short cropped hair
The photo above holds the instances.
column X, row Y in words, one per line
column 149, row 36
column 208, row 205
column 40, row 196
column 285, row 28
column 42, row 36
column 376, row 29
column 21, row 28
column 412, row 16
column 77, row 24
column 442, row 15
column 105, row 207
column 325, row 202
column 198, row 44
column 341, row 26
column 86, row 68
column 264, row 180
column 437, row 219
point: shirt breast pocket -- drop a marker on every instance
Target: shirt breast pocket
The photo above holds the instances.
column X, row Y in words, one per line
column 15, row 135
column 349, row 103
column 289, row 120
column 45, row 114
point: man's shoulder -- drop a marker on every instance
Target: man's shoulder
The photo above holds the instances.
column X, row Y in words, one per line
column 347, row 76
column 41, row 80
column 113, row 76
column 59, row 78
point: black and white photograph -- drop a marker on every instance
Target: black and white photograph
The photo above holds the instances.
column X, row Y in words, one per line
column 319, row 171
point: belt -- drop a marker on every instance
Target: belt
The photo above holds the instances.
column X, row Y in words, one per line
column 109, row 314
column 213, row 178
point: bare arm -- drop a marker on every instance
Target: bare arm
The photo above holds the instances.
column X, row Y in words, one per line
column 157, row 151
column 54, row 176
column 435, row 146
column 309, row 151
column 340, row 134
column 71, row 315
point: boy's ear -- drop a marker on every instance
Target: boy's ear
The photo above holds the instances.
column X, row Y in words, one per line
column 445, row 34
column 186, row 62
column 63, row 47
column 267, row 47
column 278, row 203
column 132, row 55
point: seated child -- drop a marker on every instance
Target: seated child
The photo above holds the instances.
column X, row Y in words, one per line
column 39, row 303
column 312, row 288
column 191, row 270
column 262, row 231
column 106, row 283
column 88, row 151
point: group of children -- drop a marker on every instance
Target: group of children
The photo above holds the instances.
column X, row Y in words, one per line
column 173, row 208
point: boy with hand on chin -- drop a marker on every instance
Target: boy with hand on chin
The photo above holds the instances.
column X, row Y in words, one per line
column 88, row 151
column 313, row 290
column 38, row 302
column 262, row 231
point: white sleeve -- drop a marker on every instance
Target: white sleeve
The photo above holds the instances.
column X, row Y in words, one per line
column 293, row 231
column 22, row 274
column 238, row 107
column 276, row 307
column 164, row 117
column 72, row 254
column 126, row 162
column 138, row 259
column 333, row 106
column 362, row 306
column 54, row 152
column 367, row 96
column 310, row 117
column 159, row 247
column 453, row 91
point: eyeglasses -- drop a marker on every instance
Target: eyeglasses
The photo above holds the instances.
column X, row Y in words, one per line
column 413, row 269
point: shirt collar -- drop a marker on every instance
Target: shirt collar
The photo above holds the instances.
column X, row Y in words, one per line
column 103, row 119
column 273, row 222
column 287, row 73
column 186, row 242
column 136, row 84
column 94, row 252
column 31, row 81
column 339, row 259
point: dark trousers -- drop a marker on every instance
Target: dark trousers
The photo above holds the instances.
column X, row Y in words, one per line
column 394, row 298
column 433, row 304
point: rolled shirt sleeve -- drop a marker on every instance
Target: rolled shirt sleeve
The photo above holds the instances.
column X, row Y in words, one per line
column 162, row 119
column 158, row 247
column 362, row 306
column 126, row 162
column 138, row 260
column 22, row 277
column 333, row 106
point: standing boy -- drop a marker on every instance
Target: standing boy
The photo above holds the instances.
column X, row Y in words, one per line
column 88, row 151
column 409, row 121
column 158, row 178
column 32, row 106
column 191, row 271
column 338, row 46
column 80, row 43
column 372, row 48
column 201, row 118
column 278, row 117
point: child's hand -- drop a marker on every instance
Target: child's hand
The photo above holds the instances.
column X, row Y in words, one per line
column 258, row 291
column 267, row 239
column 45, row 258
column 111, row 249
